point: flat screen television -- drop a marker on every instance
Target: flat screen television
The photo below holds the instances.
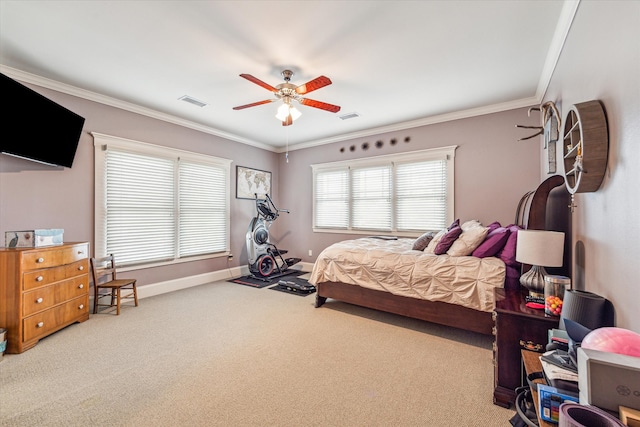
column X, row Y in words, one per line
column 36, row 128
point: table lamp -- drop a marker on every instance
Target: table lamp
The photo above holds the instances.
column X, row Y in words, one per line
column 540, row 249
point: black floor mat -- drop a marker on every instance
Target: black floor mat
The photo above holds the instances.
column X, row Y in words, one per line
column 283, row 288
column 259, row 283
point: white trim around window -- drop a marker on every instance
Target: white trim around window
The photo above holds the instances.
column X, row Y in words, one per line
column 397, row 194
column 156, row 205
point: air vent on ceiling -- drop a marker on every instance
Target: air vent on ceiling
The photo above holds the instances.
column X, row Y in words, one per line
column 349, row 116
column 190, row 100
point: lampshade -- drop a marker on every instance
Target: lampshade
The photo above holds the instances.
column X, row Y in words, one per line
column 539, row 247
column 295, row 113
column 285, row 109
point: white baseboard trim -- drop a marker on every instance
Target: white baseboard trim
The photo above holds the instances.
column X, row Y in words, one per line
column 201, row 279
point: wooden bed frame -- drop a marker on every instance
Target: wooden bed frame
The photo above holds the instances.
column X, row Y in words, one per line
column 546, row 208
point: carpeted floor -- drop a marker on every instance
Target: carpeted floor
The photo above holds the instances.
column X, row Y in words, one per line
column 227, row 355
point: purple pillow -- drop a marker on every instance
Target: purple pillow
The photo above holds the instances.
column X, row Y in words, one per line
column 447, row 240
column 493, row 226
column 508, row 253
column 512, row 278
column 493, row 243
column 454, row 224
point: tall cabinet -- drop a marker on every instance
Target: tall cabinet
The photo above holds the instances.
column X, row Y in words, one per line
column 42, row 290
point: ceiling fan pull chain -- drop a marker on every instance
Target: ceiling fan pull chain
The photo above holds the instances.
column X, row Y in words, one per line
column 286, row 154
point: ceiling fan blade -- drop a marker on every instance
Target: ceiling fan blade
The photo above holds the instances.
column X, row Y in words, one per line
column 259, row 82
column 321, row 105
column 312, row 85
column 266, row 101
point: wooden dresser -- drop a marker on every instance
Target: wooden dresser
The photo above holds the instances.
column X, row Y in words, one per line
column 42, row 290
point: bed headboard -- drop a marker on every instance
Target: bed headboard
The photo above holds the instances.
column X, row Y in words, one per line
column 547, row 208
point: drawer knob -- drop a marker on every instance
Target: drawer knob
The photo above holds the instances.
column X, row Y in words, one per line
column 80, row 286
column 81, row 268
column 39, row 279
column 40, row 325
column 39, row 300
column 39, row 260
column 81, row 306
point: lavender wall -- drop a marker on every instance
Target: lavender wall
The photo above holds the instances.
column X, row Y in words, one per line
column 601, row 60
column 38, row 196
column 493, row 171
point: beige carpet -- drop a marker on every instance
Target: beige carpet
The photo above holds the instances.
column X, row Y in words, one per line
column 229, row 355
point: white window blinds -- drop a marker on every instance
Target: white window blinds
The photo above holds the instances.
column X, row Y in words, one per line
column 332, row 199
column 157, row 205
column 139, row 207
column 371, row 198
column 403, row 193
column 421, row 195
column 202, row 208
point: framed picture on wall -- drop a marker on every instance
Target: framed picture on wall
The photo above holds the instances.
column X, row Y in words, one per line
column 251, row 182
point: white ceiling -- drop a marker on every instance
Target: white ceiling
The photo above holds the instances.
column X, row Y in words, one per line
column 398, row 64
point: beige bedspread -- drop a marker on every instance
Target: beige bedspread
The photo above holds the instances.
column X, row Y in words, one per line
column 392, row 266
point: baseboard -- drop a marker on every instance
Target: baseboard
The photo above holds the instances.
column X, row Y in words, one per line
column 201, row 279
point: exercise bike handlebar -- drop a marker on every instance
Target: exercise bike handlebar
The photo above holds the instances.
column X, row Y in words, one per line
column 274, row 205
column 264, row 207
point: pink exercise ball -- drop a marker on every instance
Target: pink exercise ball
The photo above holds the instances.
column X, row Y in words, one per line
column 613, row 340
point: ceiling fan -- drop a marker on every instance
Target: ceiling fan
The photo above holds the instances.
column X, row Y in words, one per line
column 288, row 92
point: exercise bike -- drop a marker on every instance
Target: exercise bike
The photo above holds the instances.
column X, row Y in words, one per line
column 265, row 259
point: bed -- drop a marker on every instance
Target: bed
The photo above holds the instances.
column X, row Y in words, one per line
column 458, row 291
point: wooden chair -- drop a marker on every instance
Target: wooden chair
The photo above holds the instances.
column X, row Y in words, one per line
column 104, row 277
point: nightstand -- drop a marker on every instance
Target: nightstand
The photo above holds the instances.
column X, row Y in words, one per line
column 516, row 328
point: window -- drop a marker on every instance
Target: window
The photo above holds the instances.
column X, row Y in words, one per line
column 159, row 205
column 401, row 194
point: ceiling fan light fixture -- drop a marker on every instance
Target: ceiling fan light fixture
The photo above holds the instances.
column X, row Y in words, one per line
column 285, row 110
column 295, row 113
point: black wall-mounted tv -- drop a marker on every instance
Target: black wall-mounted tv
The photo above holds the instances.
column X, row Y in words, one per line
column 36, row 128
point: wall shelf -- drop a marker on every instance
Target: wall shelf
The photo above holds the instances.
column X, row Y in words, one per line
column 585, row 147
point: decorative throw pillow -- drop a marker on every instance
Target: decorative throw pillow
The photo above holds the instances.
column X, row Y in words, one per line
column 423, row 241
column 468, row 241
column 434, row 242
column 493, row 243
column 454, row 224
column 470, row 224
column 508, row 252
column 493, row 226
column 447, row 240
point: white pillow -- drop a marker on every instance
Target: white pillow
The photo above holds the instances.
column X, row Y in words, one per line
column 470, row 224
column 434, row 242
column 468, row 241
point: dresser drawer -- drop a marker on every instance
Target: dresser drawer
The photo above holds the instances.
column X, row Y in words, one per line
column 48, row 296
column 38, row 278
column 45, row 322
column 53, row 257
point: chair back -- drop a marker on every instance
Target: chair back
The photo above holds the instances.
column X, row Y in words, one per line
column 103, row 269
